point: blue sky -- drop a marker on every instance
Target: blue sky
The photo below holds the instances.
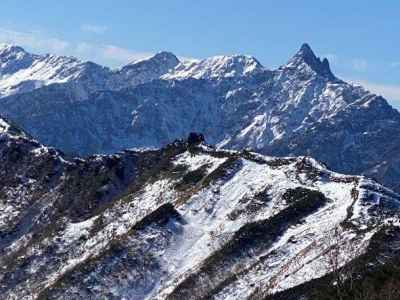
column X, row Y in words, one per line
column 360, row 39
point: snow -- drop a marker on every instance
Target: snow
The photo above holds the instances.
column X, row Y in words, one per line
column 43, row 70
column 303, row 258
column 295, row 257
column 21, row 72
column 208, row 226
column 76, row 230
column 3, row 126
column 40, row 150
column 216, row 67
column 193, row 162
column 179, row 248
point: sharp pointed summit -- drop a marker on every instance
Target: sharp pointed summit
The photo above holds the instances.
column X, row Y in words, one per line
column 306, row 55
column 306, row 52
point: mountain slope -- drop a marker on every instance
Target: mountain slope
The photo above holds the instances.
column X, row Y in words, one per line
column 22, row 72
column 145, row 70
column 300, row 108
column 227, row 99
column 217, row 67
column 185, row 221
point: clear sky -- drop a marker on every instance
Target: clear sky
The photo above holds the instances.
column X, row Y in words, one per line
column 360, row 38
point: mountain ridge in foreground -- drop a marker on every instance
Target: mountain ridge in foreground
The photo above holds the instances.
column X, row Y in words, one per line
column 185, row 221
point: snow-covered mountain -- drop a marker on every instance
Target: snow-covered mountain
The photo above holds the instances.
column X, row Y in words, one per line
column 183, row 222
column 145, row 70
column 21, row 72
column 300, row 108
column 217, row 67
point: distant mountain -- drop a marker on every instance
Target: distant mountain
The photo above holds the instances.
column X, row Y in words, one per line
column 145, row 70
column 217, row 67
column 187, row 222
column 301, row 108
column 22, row 72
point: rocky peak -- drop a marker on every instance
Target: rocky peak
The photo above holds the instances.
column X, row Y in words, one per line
column 13, row 58
column 144, row 70
column 195, row 138
column 306, row 56
column 168, row 58
column 7, row 49
column 165, row 60
column 217, row 67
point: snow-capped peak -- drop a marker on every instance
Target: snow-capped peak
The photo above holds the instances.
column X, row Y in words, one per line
column 163, row 57
column 144, row 70
column 13, row 58
column 10, row 48
column 163, row 61
column 306, row 59
column 21, row 71
column 216, row 67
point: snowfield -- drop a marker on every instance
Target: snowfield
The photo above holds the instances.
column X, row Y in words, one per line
column 182, row 222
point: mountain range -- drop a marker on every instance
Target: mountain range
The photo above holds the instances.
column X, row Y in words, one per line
column 188, row 221
column 300, row 108
column 23, row 72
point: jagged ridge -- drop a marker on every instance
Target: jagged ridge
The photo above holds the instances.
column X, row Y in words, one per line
column 169, row 223
column 23, row 72
column 299, row 109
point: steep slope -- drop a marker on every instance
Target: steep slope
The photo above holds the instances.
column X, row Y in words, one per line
column 300, row 108
column 145, row 70
column 360, row 139
column 185, row 222
column 22, row 72
column 106, row 121
column 53, row 116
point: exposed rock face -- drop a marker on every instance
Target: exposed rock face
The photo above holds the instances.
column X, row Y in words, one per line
column 22, row 72
column 299, row 109
column 187, row 222
column 143, row 71
column 217, row 67
column 195, row 138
